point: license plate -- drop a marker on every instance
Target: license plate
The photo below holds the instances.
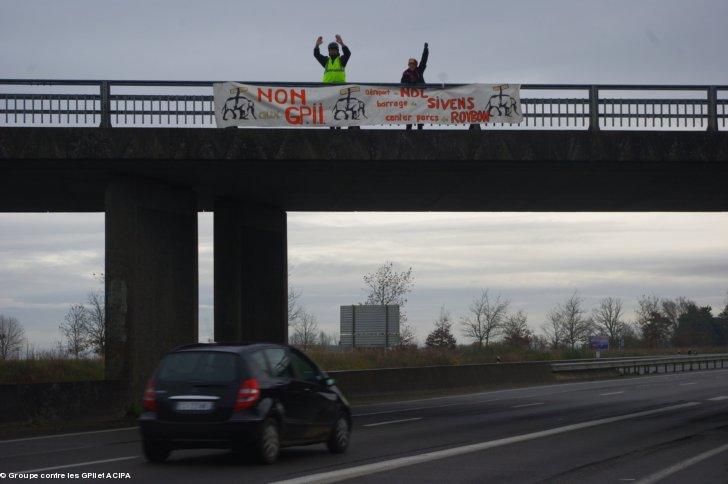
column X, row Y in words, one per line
column 194, row 406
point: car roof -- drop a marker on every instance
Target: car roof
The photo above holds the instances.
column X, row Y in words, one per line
column 227, row 347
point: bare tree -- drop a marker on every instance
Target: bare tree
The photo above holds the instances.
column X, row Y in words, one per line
column 406, row 336
column 305, row 330
column 553, row 331
column 655, row 327
column 12, row 335
column 487, row 318
column 516, row 331
column 73, row 329
column 674, row 309
column 569, row 318
column 646, row 305
column 387, row 286
column 95, row 323
column 608, row 319
column 294, row 306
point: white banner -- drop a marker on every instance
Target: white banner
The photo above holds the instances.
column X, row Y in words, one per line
column 355, row 105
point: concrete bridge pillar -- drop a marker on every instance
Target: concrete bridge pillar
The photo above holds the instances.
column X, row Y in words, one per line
column 151, row 276
column 251, row 272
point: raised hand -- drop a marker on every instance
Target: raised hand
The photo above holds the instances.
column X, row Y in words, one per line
column 319, row 41
column 338, row 39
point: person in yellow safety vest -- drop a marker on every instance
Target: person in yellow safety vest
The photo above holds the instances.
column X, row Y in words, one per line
column 334, row 65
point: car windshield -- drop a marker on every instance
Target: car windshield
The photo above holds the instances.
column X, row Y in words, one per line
column 199, row 366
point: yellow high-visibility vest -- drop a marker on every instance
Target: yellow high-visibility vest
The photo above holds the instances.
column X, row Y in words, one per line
column 334, row 73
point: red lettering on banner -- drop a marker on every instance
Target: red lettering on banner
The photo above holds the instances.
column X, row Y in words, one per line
column 469, row 117
column 282, row 96
column 305, row 114
column 427, row 118
column 300, row 95
column 451, row 104
column 413, row 92
column 398, row 117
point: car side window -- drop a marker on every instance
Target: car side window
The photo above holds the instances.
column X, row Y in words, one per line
column 303, row 369
column 260, row 362
column 280, row 362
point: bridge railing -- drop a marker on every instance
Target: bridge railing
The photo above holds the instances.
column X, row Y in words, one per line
column 33, row 102
column 646, row 365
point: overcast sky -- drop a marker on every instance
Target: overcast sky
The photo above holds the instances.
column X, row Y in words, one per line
column 536, row 260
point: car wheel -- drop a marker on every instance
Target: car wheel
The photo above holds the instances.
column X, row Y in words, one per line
column 269, row 444
column 340, row 435
column 155, row 451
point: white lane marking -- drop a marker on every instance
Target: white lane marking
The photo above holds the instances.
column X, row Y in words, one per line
column 560, row 387
column 56, row 436
column 392, row 422
column 628, row 382
column 528, row 405
column 688, row 383
column 717, row 399
column 412, row 409
column 659, row 475
column 388, row 465
column 77, row 464
column 610, row 393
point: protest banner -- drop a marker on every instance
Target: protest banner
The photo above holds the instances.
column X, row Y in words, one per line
column 364, row 105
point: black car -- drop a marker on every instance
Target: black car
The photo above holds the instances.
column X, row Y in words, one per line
column 252, row 398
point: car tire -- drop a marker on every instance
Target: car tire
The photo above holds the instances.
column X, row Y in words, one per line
column 155, row 451
column 269, row 445
column 340, row 435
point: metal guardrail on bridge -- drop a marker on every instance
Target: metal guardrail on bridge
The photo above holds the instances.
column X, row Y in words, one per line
column 642, row 365
column 37, row 102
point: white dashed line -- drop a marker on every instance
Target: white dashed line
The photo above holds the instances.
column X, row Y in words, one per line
column 717, row 399
column 689, row 383
column 610, row 393
column 392, row 422
column 57, row 436
column 528, row 405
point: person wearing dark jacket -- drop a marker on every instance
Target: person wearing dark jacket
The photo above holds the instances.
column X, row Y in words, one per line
column 415, row 73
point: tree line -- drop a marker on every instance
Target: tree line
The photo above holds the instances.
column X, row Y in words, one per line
column 82, row 330
column 656, row 323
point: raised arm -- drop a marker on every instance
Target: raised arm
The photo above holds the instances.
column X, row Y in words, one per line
column 317, row 53
column 423, row 60
column 346, row 53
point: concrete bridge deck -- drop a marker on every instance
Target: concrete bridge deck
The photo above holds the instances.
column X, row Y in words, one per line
column 68, row 169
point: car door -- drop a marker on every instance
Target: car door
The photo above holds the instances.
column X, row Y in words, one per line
column 288, row 394
column 321, row 401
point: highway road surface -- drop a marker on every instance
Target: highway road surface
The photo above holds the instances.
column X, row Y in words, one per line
column 664, row 428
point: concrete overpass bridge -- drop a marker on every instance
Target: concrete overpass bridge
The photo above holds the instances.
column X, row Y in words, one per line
column 151, row 169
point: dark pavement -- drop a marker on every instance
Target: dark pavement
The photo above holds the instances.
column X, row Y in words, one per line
column 665, row 428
